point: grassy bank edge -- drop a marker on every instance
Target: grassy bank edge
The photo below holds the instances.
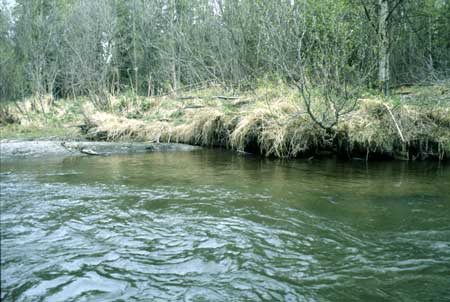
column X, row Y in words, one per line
column 413, row 124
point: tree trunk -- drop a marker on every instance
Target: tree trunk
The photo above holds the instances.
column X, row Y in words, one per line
column 174, row 49
column 136, row 88
column 384, row 47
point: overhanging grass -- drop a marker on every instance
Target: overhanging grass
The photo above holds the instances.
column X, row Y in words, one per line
column 270, row 121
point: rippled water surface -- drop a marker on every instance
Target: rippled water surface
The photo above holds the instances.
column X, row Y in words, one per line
column 215, row 226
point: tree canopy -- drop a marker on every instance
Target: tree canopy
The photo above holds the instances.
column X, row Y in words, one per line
column 81, row 47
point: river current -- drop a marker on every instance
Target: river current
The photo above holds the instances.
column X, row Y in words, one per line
column 212, row 225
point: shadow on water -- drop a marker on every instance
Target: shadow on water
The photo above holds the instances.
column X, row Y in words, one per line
column 212, row 225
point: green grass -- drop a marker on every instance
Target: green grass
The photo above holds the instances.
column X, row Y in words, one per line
column 50, row 131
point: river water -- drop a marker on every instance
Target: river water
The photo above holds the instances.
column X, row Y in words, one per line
column 211, row 225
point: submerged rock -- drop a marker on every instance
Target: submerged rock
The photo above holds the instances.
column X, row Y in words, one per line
column 31, row 149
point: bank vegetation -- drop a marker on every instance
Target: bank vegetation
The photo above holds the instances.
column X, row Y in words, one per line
column 361, row 79
column 269, row 121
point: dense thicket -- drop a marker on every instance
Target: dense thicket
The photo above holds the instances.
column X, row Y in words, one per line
column 97, row 48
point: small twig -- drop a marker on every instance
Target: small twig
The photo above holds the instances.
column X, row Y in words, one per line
column 193, row 107
column 189, row 97
column 221, row 97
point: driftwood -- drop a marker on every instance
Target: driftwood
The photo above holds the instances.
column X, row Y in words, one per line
column 83, row 150
column 88, row 151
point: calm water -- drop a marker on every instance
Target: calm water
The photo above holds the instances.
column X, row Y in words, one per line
column 215, row 226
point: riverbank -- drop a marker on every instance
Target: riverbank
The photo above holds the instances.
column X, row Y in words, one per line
column 413, row 124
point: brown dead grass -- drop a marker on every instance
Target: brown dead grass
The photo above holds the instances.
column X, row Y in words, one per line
column 269, row 121
column 371, row 128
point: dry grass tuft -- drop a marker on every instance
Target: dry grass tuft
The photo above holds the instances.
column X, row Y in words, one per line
column 106, row 126
column 369, row 128
column 279, row 131
column 207, row 127
column 372, row 129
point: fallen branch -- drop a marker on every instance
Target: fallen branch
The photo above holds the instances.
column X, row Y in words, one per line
column 193, row 106
column 395, row 122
